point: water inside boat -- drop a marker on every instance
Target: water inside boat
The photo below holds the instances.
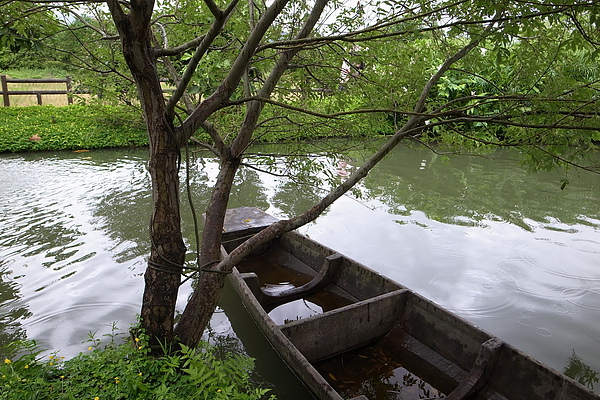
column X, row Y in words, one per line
column 377, row 373
column 315, row 304
column 274, row 277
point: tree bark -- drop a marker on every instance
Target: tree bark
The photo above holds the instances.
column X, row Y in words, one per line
column 204, row 299
column 163, row 275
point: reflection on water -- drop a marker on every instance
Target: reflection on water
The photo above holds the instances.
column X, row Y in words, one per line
column 506, row 250
column 60, row 252
column 581, row 372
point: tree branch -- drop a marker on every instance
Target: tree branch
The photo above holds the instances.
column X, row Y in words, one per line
column 359, row 36
column 231, row 81
column 221, row 149
column 214, row 9
column 413, row 124
column 173, row 51
column 84, row 22
column 207, row 39
column 242, row 140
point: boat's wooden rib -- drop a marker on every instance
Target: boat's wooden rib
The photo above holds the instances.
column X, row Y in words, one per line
column 447, row 353
column 470, row 386
column 330, row 267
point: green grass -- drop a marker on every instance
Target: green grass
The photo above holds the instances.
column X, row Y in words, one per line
column 75, row 127
column 126, row 371
column 44, row 73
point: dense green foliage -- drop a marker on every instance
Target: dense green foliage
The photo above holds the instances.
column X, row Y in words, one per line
column 532, row 81
column 126, row 371
column 69, row 128
column 99, row 126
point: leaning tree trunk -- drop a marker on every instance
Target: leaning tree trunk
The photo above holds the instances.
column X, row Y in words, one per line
column 204, row 299
column 163, row 275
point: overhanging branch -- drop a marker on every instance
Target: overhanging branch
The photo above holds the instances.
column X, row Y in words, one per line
column 413, row 124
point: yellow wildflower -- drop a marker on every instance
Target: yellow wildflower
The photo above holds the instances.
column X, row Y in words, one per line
column 27, row 366
column 7, row 361
column 137, row 339
column 96, row 398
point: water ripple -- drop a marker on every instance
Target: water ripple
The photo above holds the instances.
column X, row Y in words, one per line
column 585, row 298
column 586, row 245
column 474, row 292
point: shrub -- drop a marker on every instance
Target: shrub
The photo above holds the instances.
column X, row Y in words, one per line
column 126, row 371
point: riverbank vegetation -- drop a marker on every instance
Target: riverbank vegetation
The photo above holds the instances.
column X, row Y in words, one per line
column 75, row 127
column 126, row 371
column 93, row 126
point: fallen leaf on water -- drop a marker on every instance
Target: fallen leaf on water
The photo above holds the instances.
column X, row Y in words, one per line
column 80, row 151
column 332, row 377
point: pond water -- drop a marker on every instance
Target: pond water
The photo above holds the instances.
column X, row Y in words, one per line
column 507, row 250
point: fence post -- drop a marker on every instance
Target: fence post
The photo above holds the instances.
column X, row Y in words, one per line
column 69, row 88
column 5, row 91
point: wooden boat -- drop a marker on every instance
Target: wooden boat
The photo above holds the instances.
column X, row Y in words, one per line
column 369, row 337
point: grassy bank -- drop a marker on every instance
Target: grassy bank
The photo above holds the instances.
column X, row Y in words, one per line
column 73, row 127
column 126, row 371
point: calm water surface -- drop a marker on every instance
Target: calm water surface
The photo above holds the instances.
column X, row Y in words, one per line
column 506, row 250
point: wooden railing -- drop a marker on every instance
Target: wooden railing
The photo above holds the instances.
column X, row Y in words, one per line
column 7, row 93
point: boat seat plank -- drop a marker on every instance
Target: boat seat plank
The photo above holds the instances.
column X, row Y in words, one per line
column 447, row 334
column 424, row 362
column 346, row 328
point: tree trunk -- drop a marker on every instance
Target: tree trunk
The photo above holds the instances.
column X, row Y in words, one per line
column 204, row 299
column 163, row 275
column 167, row 255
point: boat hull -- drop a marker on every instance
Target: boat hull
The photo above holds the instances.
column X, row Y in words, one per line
column 441, row 354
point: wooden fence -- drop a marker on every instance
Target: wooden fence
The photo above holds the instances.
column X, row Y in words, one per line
column 7, row 93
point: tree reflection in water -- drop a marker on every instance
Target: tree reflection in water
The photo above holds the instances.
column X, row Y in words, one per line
column 375, row 373
column 581, row 372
